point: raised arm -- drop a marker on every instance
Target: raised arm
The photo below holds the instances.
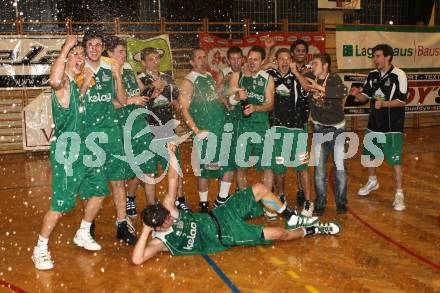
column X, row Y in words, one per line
column 144, row 251
column 185, row 96
column 305, row 84
column 173, row 176
column 58, row 80
column 57, row 70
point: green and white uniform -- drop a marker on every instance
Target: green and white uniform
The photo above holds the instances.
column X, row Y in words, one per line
column 208, row 113
column 162, row 112
column 138, row 144
column 101, row 116
column 200, row 233
column 232, row 117
column 69, row 181
column 258, row 122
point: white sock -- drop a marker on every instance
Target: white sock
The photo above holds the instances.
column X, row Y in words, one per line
column 42, row 242
column 399, row 190
column 372, row 178
column 203, row 196
column 224, row 189
column 85, row 225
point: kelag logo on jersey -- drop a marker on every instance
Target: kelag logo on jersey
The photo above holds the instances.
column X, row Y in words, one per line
column 191, row 237
column 100, row 98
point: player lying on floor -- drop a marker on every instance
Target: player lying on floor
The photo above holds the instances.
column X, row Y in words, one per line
column 187, row 233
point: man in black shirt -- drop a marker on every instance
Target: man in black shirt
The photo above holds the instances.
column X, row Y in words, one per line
column 386, row 88
column 163, row 109
column 299, row 50
column 289, row 118
column 326, row 107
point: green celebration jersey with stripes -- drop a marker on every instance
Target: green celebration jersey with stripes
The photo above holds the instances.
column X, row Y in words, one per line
column 132, row 88
column 206, row 108
column 191, row 234
column 256, row 89
column 236, row 112
column 70, row 119
column 99, row 109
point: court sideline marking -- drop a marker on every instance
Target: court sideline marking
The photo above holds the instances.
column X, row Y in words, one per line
column 220, row 273
column 395, row 243
column 13, row 288
column 382, row 235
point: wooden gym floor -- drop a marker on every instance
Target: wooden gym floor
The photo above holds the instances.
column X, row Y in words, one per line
column 379, row 250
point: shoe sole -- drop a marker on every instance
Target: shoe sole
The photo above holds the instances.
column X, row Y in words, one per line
column 365, row 194
column 399, row 209
column 337, row 225
column 82, row 246
column 40, row 268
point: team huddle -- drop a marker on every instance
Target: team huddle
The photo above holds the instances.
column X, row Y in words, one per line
column 113, row 127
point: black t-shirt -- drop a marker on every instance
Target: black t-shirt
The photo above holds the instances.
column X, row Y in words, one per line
column 392, row 85
column 161, row 106
column 291, row 107
column 331, row 110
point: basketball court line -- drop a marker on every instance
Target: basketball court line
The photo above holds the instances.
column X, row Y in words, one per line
column 395, row 243
column 13, row 288
column 221, row 274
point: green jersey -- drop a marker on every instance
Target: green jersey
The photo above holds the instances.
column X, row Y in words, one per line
column 191, row 234
column 132, row 88
column 70, row 119
column 99, row 109
column 236, row 112
column 256, row 89
column 206, row 109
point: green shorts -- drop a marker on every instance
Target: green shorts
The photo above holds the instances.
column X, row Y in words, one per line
column 84, row 181
column 141, row 155
column 253, row 147
column 208, row 151
column 114, row 168
column 391, row 148
column 290, row 150
column 232, row 218
column 227, row 155
column 160, row 156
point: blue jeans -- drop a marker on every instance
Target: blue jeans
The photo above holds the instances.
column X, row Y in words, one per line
column 321, row 152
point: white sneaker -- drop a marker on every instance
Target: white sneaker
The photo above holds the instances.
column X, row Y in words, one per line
column 308, row 209
column 330, row 228
column 399, row 204
column 297, row 221
column 84, row 239
column 369, row 187
column 42, row 259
